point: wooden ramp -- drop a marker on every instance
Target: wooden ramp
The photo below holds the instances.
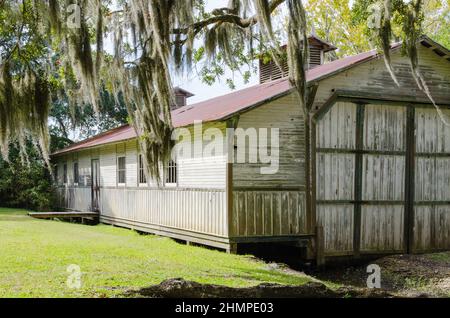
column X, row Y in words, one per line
column 62, row 215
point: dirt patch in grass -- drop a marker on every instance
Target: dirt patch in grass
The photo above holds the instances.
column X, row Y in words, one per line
column 425, row 275
column 180, row 288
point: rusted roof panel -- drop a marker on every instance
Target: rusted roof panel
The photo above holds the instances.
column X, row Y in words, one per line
column 117, row 134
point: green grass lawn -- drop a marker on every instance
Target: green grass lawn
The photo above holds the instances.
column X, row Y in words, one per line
column 35, row 254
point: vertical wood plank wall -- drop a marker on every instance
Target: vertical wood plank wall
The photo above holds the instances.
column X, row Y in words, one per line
column 362, row 179
column 432, row 182
column 383, row 179
column 430, row 220
column 268, row 213
column 335, row 137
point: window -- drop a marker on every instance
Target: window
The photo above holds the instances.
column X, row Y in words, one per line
column 142, row 176
column 55, row 173
column 76, row 176
column 121, row 170
column 65, row 173
column 171, row 173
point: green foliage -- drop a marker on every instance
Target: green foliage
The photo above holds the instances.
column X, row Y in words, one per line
column 437, row 21
column 336, row 22
column 344, row 23
column 435, row 17
column 84, row 120
column 26, row 185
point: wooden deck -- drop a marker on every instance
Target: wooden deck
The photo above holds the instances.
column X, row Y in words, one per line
column 51, row 215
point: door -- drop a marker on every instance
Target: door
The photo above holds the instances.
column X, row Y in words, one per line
column 431, row 210
column 360, row 176
column 383, row 179
column 95, row 185
column 382, row 208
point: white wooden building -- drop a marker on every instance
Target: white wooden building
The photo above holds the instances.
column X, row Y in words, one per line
column 367, row 173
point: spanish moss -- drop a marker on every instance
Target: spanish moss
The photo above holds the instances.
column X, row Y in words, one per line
column 413, row 31
column 385, row 35
column 298, row 50
column 149, row 37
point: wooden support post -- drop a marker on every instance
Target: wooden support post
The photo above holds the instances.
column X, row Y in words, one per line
column 320, row 246
column 232, row 249
column 310, row 143
column 360, row 110
column 409, row 181
column 310, row 252
column 231, row 126
column 312, row 215
column 308, row 177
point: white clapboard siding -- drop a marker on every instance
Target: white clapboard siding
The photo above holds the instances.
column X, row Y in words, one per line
column 108, row 163
column 284, row 114
column 202, row 172
column 204, row 166
column 121, row 149
column 194, row 210
column 197, row 165
column 95, row 153
column 84, row 167
column 131, row 163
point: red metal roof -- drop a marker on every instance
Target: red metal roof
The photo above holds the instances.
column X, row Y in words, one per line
column 221, row 107
column 114, row 135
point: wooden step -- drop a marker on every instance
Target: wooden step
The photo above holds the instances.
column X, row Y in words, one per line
column 74, row 214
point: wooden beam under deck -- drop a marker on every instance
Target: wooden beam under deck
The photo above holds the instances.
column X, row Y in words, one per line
column 51, row 215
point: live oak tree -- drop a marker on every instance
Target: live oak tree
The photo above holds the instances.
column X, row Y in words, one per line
column 53, row 49
column 82, row 121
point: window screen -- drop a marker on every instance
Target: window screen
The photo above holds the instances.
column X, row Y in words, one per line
column 142, row 176
column 65, row 173
column 121, row 170
column 171, row 173
column 76, row 176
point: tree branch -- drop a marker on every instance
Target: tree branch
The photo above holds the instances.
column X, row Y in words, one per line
column 228, row 18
